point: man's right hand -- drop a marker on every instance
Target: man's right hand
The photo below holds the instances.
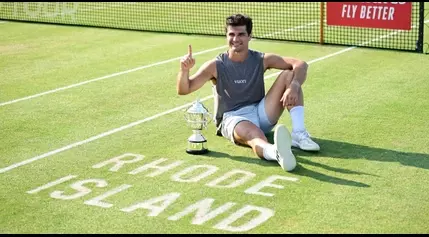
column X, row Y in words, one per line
column 187, row 62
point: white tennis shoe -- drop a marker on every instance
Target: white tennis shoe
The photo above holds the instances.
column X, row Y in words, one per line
column 302, row 140
column 282, row 144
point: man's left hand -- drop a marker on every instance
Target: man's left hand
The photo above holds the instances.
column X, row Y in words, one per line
column 290, row 96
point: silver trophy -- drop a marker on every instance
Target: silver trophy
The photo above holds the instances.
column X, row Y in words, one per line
column 197, row 117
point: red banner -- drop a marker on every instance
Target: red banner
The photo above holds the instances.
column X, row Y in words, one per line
column 385, row 15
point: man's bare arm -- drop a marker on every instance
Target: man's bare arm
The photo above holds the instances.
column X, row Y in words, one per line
column 299, row 67
column 187, row 84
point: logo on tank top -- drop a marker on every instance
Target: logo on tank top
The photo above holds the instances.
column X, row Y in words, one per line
column 240, row 81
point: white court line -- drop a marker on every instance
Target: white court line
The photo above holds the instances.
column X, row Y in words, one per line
column 2, row 22
column 121, row 73
column 102, row 78
column 348, row 49
column 68, row 147
column 298, row 27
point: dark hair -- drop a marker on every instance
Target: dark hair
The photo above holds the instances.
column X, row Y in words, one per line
column 239, row 20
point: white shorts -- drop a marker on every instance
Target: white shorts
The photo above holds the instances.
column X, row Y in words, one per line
column 254, row 113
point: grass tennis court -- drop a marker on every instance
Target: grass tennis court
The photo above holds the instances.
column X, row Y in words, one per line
column 366, row 108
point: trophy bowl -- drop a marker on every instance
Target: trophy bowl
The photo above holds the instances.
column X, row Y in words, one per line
column 197, row 117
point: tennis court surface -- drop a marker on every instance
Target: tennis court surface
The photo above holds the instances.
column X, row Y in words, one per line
column 93, row 139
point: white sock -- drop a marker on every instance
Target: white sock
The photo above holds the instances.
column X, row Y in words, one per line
column 269, row 152
column 297, row 116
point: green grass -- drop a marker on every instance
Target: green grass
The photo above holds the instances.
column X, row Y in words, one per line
column 365, row 107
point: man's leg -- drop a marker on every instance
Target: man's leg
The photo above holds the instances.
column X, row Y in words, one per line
column 243, row 127
column 274, row 109
column 247, row 133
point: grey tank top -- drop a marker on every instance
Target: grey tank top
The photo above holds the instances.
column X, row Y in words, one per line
column 238, row 84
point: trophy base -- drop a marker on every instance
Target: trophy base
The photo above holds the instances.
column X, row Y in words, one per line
column 197, row 152
column 197, row 145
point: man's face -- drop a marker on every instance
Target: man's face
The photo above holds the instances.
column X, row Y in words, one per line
column 238, row 39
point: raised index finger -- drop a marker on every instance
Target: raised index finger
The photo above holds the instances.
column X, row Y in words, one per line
column 190, row 51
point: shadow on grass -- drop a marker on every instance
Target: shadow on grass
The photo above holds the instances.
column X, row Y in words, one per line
column 344, row 150
column 341, row 150
column 299, row 170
